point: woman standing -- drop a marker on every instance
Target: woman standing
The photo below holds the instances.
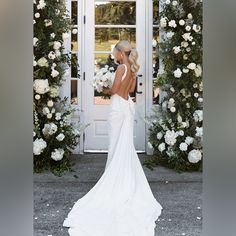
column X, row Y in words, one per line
column 121, row 203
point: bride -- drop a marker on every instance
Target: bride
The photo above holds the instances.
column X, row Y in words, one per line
column 121, row 203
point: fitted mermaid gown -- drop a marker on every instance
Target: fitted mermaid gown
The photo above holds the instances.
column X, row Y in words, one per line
column 121, row 203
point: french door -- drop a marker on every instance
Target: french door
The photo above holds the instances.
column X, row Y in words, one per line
column 107, row 22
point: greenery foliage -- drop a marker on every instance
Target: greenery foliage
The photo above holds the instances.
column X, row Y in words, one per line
column 54, row 135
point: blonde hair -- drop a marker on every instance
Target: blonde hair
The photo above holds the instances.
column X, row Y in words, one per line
column 132, row 53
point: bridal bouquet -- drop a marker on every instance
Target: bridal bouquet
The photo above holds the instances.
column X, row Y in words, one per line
column 104, row 78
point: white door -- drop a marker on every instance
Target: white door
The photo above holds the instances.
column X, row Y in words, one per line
column 107, row 22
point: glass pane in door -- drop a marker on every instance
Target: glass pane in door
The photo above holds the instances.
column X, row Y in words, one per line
column 115, row 13
column 114, row 21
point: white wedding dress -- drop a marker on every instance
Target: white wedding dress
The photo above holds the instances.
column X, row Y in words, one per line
column 121, row 203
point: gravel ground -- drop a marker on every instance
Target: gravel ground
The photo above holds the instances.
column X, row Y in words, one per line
column 180, row 194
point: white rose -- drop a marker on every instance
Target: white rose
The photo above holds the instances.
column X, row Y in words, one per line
column 167, row 2
column 56, row 45
column 74, row 31
column 201, row 86
column 189, row 140
column 181, row 22
column 172, row 23
column 53, row 35
column 196, row 28
column 159, row 135
column 184, row 44
column 41, row 4
column 38, row 146
column 50, row 103
column 186, row 36
column 190, row 16
column 57, row 155
column 170, row 34
column 187, row 105
column 163, row 22
column 172, row 89
column 188, row 28
column 35, row 41
column 42, row 62
column 57, row 53
column 37, row 96
column 51, row 55
column 198, row 115
column 192, row 66
column 54, row 73
column 58, row 116
column 154, row 43
column 170, row 137
column 198, row 71
column 173, row 109
column 49, row 115
column 174, row 3
column 176, row 49
column 200, row 99
column 177, row 73
column 181, row 132
column 179, row 118
column 199, row 131
column 37, row 15
column 41, row 86
column 161, row 147
column 46, row 110
column 183, row 146
column 60, row 137
column 49, row 129
column 47, row 22
column 194, row 156
column 185, row 56
column 196, row 95
column 185, row 70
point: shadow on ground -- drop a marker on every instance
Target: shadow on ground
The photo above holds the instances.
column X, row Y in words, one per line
column 180, row 194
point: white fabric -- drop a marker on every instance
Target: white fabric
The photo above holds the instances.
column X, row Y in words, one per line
column 121, row 203
column 125, row 72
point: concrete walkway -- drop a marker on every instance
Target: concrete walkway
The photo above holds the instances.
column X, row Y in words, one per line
column 179, row 194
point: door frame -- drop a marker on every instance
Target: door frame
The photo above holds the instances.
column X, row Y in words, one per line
column 81, row 55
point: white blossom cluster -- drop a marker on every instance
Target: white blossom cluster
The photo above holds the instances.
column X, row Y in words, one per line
column 57, row 154
column 103, row 78
column 170, row 139
column 38, row 146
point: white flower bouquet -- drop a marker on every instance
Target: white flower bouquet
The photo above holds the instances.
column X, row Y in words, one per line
column 104, row 78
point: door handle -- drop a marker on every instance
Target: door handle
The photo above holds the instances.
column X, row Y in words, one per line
column 139, row 84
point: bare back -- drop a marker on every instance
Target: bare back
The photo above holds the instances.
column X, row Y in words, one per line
column 126, row 84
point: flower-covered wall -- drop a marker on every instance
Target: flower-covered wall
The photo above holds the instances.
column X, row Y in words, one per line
column 176, row 126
